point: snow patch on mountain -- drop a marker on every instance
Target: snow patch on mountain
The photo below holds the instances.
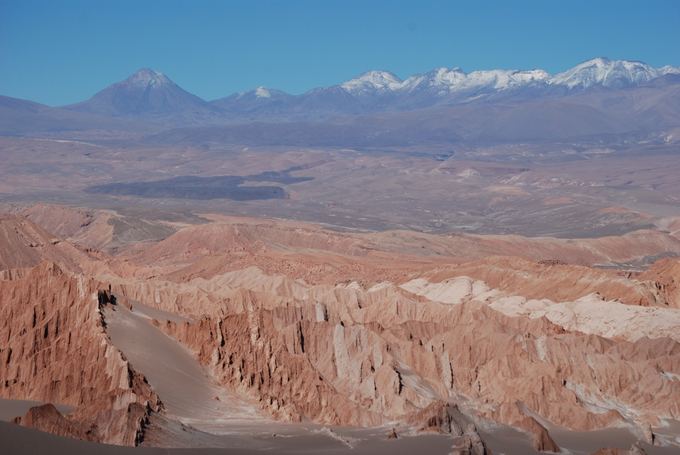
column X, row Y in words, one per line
column 669, row 70
column 262, row 92
column 445, row 81
column 442, row 81
column 147, row 77
column 373, row 81
column 607, row 73
column 502, row 79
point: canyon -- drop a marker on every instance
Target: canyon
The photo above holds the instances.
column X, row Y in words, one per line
column 255, row 334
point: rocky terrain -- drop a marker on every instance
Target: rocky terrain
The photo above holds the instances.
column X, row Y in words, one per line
column 55, row 350
column 253, row 333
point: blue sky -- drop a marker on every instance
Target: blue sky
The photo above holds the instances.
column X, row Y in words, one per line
column 59, row 52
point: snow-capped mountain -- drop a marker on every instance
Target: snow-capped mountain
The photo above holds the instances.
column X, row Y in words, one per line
column 445, row 81
column 377, row 91
column 668, row 69
column 600, row 97
column 607, row 73
column 371, row 82
column 148, row 93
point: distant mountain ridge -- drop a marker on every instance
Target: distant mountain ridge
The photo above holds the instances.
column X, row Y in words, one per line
column 598, row 71
column 148, row 93
column 376, row 89
column 598, row 100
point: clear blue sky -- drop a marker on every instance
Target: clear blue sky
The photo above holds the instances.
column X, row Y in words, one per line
column 59, row 52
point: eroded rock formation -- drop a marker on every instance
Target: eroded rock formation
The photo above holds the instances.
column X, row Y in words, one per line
column 54, row 349
column 343, row 329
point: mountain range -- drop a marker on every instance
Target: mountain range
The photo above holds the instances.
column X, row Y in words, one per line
column 150, row 93
column 597, row 98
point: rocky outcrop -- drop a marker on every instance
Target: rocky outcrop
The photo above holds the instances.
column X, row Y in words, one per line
column 469, row 444
column 540, row 438
column 445, row 418
column 664, row 278
column 54, row 348
column 47, row 418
